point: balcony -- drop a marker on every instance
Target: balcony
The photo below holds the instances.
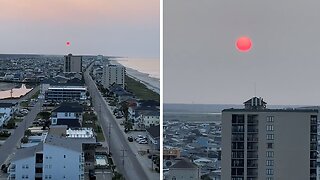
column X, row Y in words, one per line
column 38, row 175
column 39, row 165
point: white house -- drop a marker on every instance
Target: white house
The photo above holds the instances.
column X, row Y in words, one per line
column 150, row 118
column 6, row 111
column 67, row 114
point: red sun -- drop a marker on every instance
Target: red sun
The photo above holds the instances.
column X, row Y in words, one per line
column 244, row 44
column 68, row 43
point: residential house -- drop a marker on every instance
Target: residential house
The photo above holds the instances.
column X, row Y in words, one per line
column 184, row 170
column 67, row 113
column 153, row 136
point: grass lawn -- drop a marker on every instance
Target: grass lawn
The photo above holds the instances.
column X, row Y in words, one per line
column 100, row 137
column 17, row 120
column 24, row 104
column 140, row 90
column 35, row 96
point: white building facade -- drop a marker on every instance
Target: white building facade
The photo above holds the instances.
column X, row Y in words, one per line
column 113, row 74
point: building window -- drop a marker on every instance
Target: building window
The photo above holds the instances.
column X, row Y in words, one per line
column 270, row 145
column 269, row 171
column 270, row 162
column 270, row 153
column 270, row 137
column 269, row 118
column 64, row 156
column 269, row 127
column 269, row 178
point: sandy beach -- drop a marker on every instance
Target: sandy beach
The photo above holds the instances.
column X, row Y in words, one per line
column 151, row 82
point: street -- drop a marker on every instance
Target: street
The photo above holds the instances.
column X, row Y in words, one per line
column 10, row 145
column 124, row 158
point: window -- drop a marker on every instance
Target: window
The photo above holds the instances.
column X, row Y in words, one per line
column 269, row 118
column 269, row 171
column 269, row 127
column 270, row 137
column 270, row 162
column 269, row 178
column 270, row 145
column 64, row 156
column 66, row 114
column 270, row 153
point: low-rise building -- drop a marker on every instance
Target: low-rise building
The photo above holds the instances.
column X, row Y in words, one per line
column 6, row 111
column 153, row 135
column 184, row 170
column 66, row 94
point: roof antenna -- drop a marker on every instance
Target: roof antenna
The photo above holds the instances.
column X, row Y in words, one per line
column 255, row 89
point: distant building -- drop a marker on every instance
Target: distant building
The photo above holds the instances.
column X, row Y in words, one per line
column 113, row 74
column 171, row 153
column 69, row 114
column 66, row 94
column 261, row 143
column 184, row 170
column 72, row 63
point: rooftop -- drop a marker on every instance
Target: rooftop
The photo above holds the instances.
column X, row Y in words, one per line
column 185, row 164
column 79, row 133
column 69, row 107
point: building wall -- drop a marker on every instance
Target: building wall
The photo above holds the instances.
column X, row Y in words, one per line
column 291, row 144
column 184, row 174
column 62, row 163
column 113, row 74
column 23, row 167
column 150, row 120
column 65, row 115
column 73, row 64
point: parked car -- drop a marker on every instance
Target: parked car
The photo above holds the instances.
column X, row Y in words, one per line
column 143, row 142
column 130, row 139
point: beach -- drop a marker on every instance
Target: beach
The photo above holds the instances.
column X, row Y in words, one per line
column 148, row 79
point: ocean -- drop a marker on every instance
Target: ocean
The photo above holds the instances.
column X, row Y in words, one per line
column 150, row 66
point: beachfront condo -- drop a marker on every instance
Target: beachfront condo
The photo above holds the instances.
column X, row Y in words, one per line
column 261, row 143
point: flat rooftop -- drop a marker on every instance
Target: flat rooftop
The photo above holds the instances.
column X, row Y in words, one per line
column 80, row 133
column 301, row 110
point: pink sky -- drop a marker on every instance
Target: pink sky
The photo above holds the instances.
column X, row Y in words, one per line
column 79, row 20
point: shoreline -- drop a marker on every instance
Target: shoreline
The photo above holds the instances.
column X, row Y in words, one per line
column 152, row 83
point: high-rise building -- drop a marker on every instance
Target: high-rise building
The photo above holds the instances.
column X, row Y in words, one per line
column 270, row 144
column 72, row 63
column 113, row 74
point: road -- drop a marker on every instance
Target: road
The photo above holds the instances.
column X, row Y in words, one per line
column 128, row 165
column 10, row 145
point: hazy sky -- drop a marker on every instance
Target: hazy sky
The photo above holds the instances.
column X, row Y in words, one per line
column 202, row 65
column 109, row 27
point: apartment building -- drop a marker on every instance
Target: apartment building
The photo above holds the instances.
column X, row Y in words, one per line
column 56, row 158
column 113, row 74
column 268, row 144
column 72, row 63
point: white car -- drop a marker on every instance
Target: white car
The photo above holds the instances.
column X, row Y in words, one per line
column 143, row 142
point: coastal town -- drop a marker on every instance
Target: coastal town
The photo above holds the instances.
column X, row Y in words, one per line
column 191, row 147
column 81, row 112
